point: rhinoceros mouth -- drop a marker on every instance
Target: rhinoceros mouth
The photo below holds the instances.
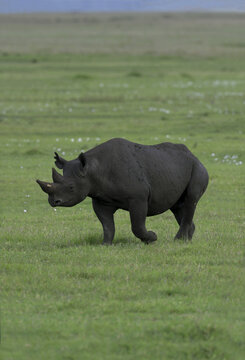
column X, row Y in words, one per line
column 58, row 203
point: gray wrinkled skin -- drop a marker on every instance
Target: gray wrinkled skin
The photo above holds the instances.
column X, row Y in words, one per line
column 145, row 180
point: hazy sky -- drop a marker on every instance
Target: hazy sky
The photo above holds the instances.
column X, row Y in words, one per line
column 12, row 6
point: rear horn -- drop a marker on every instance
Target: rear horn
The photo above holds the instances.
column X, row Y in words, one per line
column 57, row 178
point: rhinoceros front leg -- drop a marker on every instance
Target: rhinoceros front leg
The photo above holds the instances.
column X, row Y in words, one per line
column 138, row 211
column 105, row 216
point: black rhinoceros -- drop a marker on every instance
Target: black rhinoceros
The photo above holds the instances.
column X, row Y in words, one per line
column 145, row 180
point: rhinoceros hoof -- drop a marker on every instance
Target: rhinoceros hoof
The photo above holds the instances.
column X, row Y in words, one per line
column 107, row 243
column 151, row 237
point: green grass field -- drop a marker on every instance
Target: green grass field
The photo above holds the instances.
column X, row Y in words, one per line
column 69, row 82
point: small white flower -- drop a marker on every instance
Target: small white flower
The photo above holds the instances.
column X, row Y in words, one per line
column 165, row 111
column 63, row 153
column 79, row 139
column 72, row 140
column 70, row 110
column 97, row 139
column 25, row 210
column 213, row 154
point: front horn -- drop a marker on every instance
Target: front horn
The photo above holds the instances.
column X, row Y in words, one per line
column 46, row 187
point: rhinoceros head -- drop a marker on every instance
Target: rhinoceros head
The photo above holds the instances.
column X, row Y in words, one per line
column 72, row 187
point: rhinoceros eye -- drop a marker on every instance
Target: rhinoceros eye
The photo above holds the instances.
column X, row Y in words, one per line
column 71, row 187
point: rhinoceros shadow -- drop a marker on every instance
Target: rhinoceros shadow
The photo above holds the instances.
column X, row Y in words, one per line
column 93, row 240
column 97, row 240
column 90, row 240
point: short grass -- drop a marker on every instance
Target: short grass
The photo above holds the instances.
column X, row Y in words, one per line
column 63, row 295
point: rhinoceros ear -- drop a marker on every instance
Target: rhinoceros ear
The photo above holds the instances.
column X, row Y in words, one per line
column 83, row 162
column 59, row 161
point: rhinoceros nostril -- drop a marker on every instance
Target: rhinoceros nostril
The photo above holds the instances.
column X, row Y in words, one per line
column 57, row 202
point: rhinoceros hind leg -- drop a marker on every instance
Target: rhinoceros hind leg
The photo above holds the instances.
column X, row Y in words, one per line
column 185, row 207
column 184, row 211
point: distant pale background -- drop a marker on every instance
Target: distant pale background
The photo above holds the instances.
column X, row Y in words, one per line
column 14, row 6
